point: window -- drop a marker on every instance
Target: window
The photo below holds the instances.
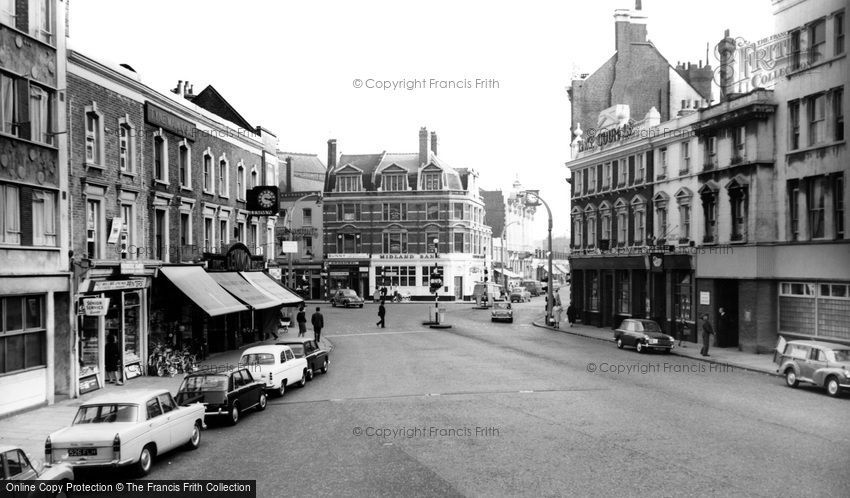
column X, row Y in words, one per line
column 94, row 232
column 662, row 162
column 128, row 217
column 432, row 210
column 623, row 292
column 794, row 124
column 223, row 230
column 395, row 211
column 640, row 228
column 394, row 242
column 622, row 173
column 432, row 181
column 661, row 222
column 348, row 243
column 160, row 234
column 838, row 114
column 738, row 202
column 458, row 242
column 185, row 229
column 307, row 216
column 22, row 335
column 606, row 224
column 622, row 228
column 8, row 102
column 10, row 216
column 815, row 197
column 838, row 205
column 839, row 32
column 709, row 209
column 817, row 118
column 430, row 246
column 124, row 148
column 308, row 245
column 394, row 182
column 240, row 228
column 7, row 12
column 208, row 178
column 458, row 211
column 593, row 292
column 591, row 229
column 606, row 176
column 794, row 209
column 223, row 178
column 94, row 138
column 795, row 49
column 184, row 159
column 153, row 408
column 817, row 41
column 349, row 212
column 240, row 182
column 640, row 169
column 209, row 235
column 686, row 158
column 40, row 115
column 577, row 183
column 739, row 142
column 254, row 238
column 426, row 274
column 41, row 20
column 348, row 183
column 254, row 178
column 591, row 179
column 160, row 158
column 684, row 222
column 398, row 276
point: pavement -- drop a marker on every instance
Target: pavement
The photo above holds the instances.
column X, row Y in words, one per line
column 759, row 363
column 30, row 428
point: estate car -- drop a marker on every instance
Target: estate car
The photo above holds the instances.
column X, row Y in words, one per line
column 223, row 393
column 818, row 363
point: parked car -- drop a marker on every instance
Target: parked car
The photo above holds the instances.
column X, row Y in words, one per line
column 126, row 428
column 534, row 287
column 346, row 298
column 502, row 312
column 317, row 358
column 823, row 364
column 485, row 293
column 15, row 465
column 227, row 393
column 520, row 295
column 643, row 335
column 276, row 366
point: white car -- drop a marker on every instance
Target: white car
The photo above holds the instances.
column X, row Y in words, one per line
column 276, row 366
column 126, row 428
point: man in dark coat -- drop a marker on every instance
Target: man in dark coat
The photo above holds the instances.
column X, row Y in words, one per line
column 382, row 311
column 707, row 332
column 724, row 329
column 571, row 314
column 113, row 360
column 301, row 318
column 318, row 322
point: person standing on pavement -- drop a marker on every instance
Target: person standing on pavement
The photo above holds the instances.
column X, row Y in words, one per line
column 318, row 322
column 301, row 318
column 707, row 332
column 571, row 314
column 556, row 311
column 724, row 328
column 382, row 311
column 112, row 360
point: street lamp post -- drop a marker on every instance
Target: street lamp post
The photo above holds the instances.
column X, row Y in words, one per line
column 287, row 224
column 532, row 198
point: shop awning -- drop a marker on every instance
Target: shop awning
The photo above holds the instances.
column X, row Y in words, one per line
column 202, row 290
column 266, row 285
column 243, row 290
column 508, row 273
column 563, row 269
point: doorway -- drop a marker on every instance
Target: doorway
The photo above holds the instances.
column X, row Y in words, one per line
column 727, row 298
column 459, row 288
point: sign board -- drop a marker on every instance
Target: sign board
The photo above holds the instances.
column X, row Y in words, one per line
column 339, row 273
column 161, row 118
column 132, row 370
column 89, row 383
column 95, row 306
column 364, row 269
column 115, row 231
column 275, row 273
column 133, row 268
column 705, row 298
column 110, row 285
column 289, row 246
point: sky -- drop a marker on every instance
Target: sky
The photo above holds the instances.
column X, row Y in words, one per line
column 294, row 68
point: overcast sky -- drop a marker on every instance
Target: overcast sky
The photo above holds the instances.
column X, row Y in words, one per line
column 290, row 67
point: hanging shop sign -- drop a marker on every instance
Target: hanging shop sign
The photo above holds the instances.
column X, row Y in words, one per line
column 111, row 285
column 95, row 306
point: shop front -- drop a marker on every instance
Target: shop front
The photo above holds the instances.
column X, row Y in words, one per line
column 410, row 274
column 349, row 271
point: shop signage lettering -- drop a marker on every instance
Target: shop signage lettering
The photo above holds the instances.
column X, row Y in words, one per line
column 348, row 256
column 95, row 306
column 111, row 285
column 158, row 116
column 89, row 384
column 407, row 256
column 605, row 137
column 339, row 273
column 132, row 268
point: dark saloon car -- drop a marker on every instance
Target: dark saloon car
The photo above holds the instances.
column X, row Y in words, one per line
column 225, row 393
column 317, row 358
column 346, row 298
column 644, row 335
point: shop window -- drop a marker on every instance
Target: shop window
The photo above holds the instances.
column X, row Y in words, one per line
column 623, row 293
column 682, row 297
column 22, row 334
column 89, row 346
column 593, row 291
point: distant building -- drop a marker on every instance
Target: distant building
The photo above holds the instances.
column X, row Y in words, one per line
column 390, row 218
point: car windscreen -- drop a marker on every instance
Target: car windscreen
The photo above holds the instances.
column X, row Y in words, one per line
column 103, row 414
column 349, row 293
column 841, row 354
column 196, row 383
column 501, row 306
column 297, row 350
column 257, row 359
column 651, row 327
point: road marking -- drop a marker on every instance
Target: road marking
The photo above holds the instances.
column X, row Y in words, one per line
column 526, row 392
column 379, row 333
column 456, row 393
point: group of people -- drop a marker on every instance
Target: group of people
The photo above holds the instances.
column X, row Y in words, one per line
column 558, row 309
column 317, row 320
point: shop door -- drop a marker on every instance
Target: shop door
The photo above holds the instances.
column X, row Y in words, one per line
column 315, row 288
column 658, row 301
column 459, row 288
column 607, row 298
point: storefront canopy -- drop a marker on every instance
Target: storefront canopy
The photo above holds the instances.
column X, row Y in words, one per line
column 202, row 290
column 244, row 291
column 563, row 269
column 508, row 273
column 266, row 285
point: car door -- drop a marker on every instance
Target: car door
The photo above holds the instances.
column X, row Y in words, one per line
column 804, row 362
column 240, row 391
column 158, row 428
column 310, row 354
column 818, row 365
column 290, row 366
column 177, row 421
column 17, row 466
column 250, row 391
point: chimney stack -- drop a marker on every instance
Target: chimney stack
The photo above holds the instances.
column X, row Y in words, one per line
column 332, row 153
column 434, row 142
column 186, row 88
column 179, row 89
column 424, row 146
column 288, row 174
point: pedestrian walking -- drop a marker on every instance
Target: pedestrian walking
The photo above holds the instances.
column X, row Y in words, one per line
column 318, row 322
column 382, row 311
column 113, row 361
column 301, row 318
column 571, row 314
column 707, row 332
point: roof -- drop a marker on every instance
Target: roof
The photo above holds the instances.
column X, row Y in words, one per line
column 294, row 340
column 126, row 396
column 372, row 165
column 307, row 175
column 211, row 100
column 265, row 348
column 820, row 344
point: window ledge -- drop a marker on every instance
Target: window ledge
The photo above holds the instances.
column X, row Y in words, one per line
column 811, row 148
column 803, row 70
column 160, row 182
column 29, row 248
column 94, row 166
column 223, row 196
column 185, row 188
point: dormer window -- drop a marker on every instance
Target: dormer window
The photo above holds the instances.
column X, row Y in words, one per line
column 349, row 183
column 432, row 181
column 393, row 182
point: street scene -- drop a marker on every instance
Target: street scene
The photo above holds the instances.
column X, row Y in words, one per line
column 452, row 249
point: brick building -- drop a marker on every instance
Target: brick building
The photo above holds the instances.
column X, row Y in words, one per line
column 35, row 338
column 383, row 213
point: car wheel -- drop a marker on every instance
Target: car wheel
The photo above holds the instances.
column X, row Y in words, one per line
column 832, row 387
column 492, row 319
column 145, row 463
column 234, row 414
column 333, row 304
column 511, row 320
column 282, row 389
column 195, row 439
column 791, row 378
column 325, row 366
column 620, row 343
column 639, row 347
column 310, row 374
column 667, row 350
column 303, row 381
column 361, row 305
column 262, row 402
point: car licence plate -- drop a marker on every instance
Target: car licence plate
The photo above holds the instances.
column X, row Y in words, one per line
column 76, row 452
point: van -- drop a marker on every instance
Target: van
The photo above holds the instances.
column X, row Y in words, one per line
column 533, row 286
column 485, row 293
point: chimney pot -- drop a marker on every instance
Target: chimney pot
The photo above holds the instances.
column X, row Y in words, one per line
column 434, row 142
column 179, row 89
column 332, row 153
column 186, row 88
column 424, row 145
